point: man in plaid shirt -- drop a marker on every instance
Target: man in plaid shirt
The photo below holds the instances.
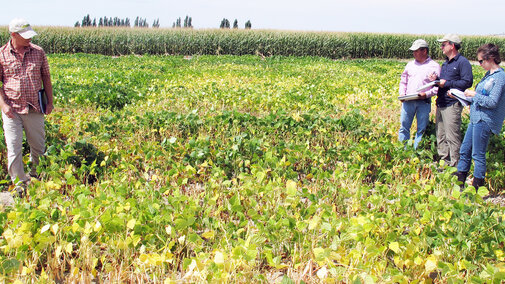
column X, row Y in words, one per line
column 24, row 70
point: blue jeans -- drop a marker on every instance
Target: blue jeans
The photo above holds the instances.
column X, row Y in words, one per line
column 474, row 147
column 419, row 108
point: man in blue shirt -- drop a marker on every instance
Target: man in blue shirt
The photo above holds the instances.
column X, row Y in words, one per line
column 456, row 73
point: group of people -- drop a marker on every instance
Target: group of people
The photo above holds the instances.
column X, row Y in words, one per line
column 24, row 71
column 425, row 78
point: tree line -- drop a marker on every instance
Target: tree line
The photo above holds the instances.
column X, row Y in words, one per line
column 142, row 23
column 115, row 22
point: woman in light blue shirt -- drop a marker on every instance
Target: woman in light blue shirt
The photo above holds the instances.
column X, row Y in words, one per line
column 487, row 113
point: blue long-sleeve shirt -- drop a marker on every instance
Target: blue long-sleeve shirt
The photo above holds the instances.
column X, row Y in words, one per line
column 488, row 105
column 458, row 75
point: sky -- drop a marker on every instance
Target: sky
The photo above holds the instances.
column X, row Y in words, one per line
column 463, row 17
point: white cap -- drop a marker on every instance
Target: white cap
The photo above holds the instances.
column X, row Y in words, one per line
column 451, row 37
column 22, row 27
column 418, row 44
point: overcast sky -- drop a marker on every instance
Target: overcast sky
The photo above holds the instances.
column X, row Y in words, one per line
column 464, row 17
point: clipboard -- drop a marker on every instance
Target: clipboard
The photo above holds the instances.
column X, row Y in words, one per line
column 426, row 86
column 415, row 96
column 409, row 97
column 43, row 101
column 464, row 100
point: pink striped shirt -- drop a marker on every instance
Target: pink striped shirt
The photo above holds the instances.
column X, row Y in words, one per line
column 22, row 76
column 416, row 75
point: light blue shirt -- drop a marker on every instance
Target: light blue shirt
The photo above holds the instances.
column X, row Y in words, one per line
column 488, row 105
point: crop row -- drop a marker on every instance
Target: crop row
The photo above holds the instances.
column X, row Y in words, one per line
column 226, row 168
column 124, row 41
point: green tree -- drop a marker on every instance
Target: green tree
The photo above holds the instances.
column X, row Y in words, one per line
column 177, row 23
column 225, row 24
column 187, row 22
column 86, row 21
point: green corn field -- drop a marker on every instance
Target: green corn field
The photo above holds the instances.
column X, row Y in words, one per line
column 126, row 41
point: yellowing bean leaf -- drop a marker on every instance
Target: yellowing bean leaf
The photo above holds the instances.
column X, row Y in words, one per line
column 394, row 246
column 131, row 224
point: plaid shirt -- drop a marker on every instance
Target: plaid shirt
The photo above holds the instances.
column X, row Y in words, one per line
column 22, row 76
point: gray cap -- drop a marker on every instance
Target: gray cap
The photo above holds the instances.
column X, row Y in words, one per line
column 451, row 37
column 418, row 44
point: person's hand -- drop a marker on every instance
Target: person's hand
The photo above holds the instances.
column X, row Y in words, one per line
column 401, row 95
column 470, row 93
column 49, row 108
column 442, row 83
column 433, row 76
column 451, row 95
column 422, row 96
column 7, row 110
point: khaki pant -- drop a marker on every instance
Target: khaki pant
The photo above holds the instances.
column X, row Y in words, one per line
column 448, row 125
column 33, row 124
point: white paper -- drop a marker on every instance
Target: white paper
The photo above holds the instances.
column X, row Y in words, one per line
column 426, row 86
column 464, row 100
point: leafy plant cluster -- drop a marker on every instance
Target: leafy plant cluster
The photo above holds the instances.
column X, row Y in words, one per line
column 244, row 169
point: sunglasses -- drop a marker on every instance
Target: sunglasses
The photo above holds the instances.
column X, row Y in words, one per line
column 445, row 43
column 480, row 61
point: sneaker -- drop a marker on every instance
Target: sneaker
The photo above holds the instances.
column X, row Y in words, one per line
column 34, row 175
column 19, row 191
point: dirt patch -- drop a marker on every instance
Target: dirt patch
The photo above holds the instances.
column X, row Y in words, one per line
column 498, row 200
